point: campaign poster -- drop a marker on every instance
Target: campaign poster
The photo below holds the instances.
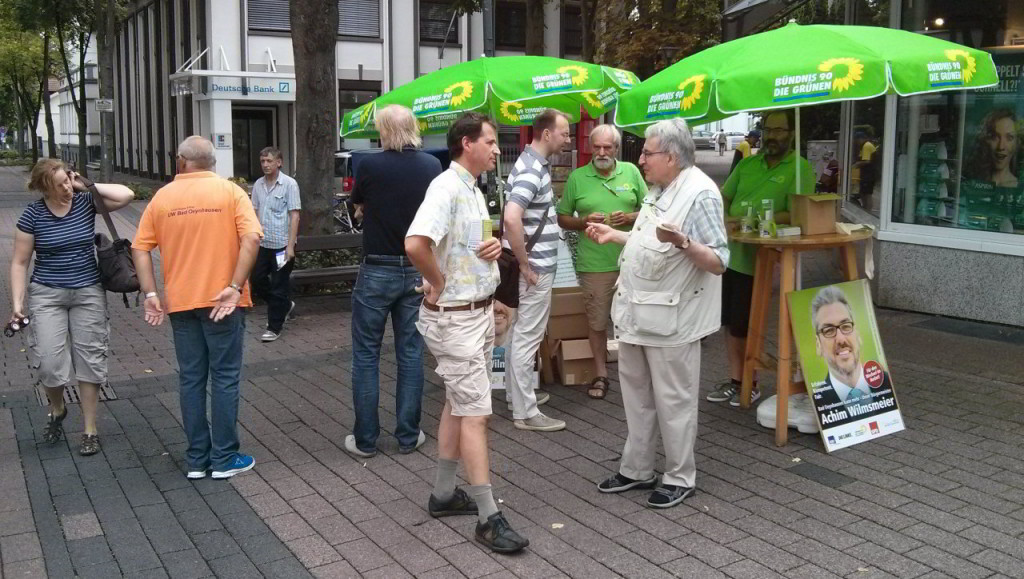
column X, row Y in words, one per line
column 844, row 366
column 992, row 184
column 498, row 368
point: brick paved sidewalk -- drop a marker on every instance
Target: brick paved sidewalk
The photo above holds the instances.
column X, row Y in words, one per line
column 942, row 499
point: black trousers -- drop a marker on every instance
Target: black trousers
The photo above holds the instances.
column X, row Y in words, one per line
column 272, row 286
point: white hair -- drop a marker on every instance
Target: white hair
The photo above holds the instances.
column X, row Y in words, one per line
column 397, row 127
column 608, row 130
column 198, row 152
column 674, row 137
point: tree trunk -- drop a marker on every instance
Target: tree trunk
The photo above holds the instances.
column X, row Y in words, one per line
column 314, row 41
column 51, row 133
column 30, row 115
column 535, row 27
column 83, row 120
column 106, row 30
column 587, row 9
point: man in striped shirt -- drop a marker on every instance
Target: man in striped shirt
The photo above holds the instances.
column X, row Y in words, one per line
column 530, row 206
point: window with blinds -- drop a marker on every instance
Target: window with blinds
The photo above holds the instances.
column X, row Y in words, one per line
column 572, row 28
column 435, row 17
column 510, row 25
column 355, row 17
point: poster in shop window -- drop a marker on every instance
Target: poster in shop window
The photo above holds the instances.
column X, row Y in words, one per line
column 992, row 182
column 844, row 367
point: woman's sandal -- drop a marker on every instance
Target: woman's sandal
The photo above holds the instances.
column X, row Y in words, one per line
column 598, row 392
column 54, row 430
column 90, row 445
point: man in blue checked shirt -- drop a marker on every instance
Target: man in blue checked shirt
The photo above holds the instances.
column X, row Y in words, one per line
column 275, row 197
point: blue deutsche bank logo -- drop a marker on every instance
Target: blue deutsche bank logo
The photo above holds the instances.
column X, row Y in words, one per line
column 284, row 87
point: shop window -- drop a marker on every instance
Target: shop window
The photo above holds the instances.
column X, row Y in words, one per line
column 436, row 23
column 959, row 155
column 510, row 25
column 354, row 94
column 355, row 17
column 572, row 29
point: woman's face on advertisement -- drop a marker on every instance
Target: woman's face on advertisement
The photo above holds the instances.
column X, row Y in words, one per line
column 1003, row 141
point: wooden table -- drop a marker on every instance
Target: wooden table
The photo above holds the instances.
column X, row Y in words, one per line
column 783, row 250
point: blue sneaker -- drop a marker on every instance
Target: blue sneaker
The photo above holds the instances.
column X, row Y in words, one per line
column 241, row 464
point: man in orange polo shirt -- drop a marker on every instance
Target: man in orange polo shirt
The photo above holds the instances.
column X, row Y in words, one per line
column 208, row 236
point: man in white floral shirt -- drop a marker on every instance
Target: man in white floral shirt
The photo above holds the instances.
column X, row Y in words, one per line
column 450, row 243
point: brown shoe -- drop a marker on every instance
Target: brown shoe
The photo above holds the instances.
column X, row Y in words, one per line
column 90, row 445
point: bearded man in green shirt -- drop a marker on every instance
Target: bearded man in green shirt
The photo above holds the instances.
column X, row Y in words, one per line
column 610, row 191
column 770, row 174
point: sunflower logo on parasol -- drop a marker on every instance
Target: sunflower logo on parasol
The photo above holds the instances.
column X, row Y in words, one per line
column 510, row 110
column 970, row 65
column 592, row 100
column 854, row 72
column 578, row 74
column 689, row 100
column 461, row 91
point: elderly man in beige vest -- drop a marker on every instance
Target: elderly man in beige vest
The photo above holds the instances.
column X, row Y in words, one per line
column 669, row 297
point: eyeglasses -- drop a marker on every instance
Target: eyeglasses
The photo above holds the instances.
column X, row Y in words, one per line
column 775, row 130
column 652, row 153
column 830, row 331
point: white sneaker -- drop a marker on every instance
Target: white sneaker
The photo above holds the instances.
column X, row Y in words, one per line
column 350, row 445
column 195, row 474
column 542, row 398
column 540, row 423
column 419, row 442
column 269, row 336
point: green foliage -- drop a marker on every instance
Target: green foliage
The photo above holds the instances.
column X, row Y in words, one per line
column 241, row 182
column 327, row 258
column 646, row 36
column 142, row 192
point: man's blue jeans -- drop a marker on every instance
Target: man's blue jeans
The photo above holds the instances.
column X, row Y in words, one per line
column 209, row 351
column 381, row 290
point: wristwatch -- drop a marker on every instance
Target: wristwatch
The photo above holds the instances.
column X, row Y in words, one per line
column 150, row 295
column 235, row 287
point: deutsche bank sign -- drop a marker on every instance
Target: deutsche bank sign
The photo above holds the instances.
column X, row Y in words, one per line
column 256, row 89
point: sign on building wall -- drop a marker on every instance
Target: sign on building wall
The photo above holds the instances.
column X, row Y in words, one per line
column 105, row 105
column 257, row 89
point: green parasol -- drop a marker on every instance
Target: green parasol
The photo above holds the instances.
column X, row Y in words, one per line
column 795, row 66
column 512, row 89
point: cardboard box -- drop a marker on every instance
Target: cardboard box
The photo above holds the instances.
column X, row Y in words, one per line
column 567, row 301
column 814, row 214
column 575, row 362
column 571, row 327
column 613, row 351
column 568, row 319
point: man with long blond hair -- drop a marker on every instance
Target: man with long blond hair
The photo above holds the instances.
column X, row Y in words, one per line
column 389, row 187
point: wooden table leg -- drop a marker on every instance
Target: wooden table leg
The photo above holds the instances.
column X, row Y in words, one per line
column 762, row 296
column 848, row 262
column 787, row 277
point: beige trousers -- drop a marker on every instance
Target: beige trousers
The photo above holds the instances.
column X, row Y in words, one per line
column 659, row 393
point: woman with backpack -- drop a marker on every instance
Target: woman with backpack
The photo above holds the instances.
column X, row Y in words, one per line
column 65, row 297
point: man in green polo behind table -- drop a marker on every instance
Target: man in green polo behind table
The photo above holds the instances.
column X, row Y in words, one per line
column 770, row 174
column 603, row 191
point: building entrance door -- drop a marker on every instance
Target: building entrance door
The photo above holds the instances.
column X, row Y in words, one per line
column 251, row 131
